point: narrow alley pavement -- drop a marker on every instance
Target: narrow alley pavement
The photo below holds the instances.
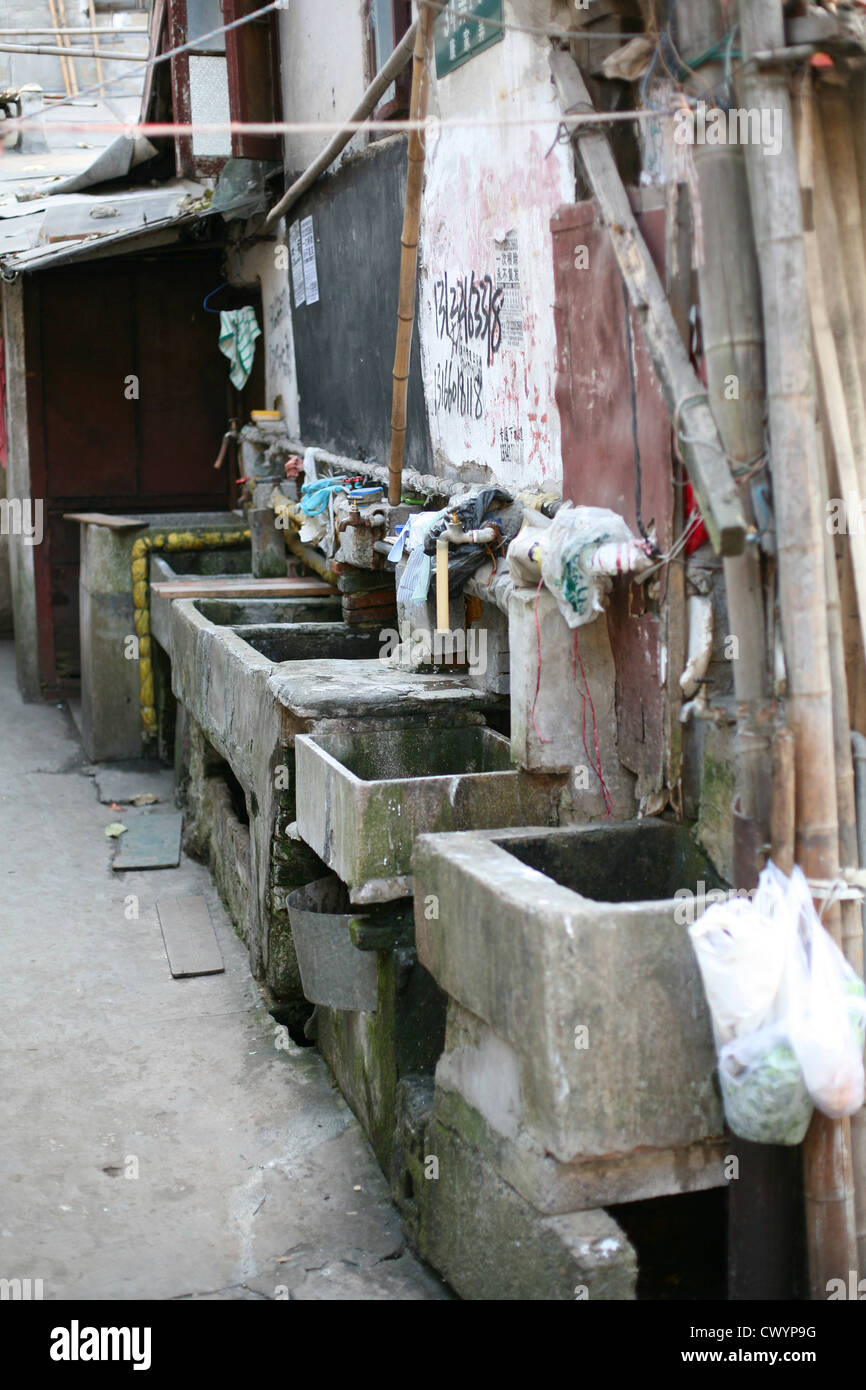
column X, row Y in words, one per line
column 162, row 1138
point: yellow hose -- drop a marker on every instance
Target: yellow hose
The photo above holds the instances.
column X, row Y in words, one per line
column 172, row 540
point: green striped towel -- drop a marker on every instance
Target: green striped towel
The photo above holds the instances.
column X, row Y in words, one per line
column 238, row 333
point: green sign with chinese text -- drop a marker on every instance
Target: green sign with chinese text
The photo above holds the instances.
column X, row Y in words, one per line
column 464, row 28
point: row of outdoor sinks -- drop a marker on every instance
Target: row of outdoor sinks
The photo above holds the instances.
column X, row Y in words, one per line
column 561, row 944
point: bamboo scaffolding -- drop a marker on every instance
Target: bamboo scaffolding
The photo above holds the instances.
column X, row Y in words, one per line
column 66, row 43
column 409, row 256
column 842, row 415
column 64, row 62
column 777, row 213
column 95, row 40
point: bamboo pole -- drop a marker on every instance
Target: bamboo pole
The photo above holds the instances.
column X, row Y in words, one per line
column 409, row 256
column 66, row 53
column 777, row 213
column 783, row 814
column 763, row 1227
column 733, row 344
column 95, row 39
column 835, row 354
column 64, row 62
column 66, row 43
column 841, row 407
column 838, row 175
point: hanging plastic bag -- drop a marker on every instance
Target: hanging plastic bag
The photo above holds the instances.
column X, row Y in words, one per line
column 582, row 551
column 763, row 1089
column 789, row 1013
column 828, row 1026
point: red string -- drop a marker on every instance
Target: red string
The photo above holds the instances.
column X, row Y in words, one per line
column 606, row 796
column 541, row 737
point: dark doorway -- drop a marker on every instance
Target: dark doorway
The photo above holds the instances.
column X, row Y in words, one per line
column 128, row 399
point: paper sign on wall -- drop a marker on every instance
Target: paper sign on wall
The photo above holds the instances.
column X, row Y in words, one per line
column 308, row 256
column 508, row 280
column 297, row 264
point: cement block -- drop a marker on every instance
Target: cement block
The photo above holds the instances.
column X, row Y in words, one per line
column 551, row 728
column 484, row 1238
column 370, row 1053
column 362, row 799
column 478, row 1096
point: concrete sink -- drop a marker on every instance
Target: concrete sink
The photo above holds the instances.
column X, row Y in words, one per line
column 299, row 641
column 577, row 1016
column 233, row 612
column 363, row 797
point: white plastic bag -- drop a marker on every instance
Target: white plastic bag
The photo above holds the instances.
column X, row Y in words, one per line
column 581, row 551
column 827, row 1010
column 765, row 1094
column 783, row 1000
column 741, row 951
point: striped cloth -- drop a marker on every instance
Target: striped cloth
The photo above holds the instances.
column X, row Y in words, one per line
column 238, row 332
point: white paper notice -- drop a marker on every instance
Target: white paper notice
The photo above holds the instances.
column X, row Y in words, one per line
column 308, row 253
column 508, row 280
column 297, row 264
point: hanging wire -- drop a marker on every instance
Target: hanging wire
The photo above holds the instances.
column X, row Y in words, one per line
column 632, row 390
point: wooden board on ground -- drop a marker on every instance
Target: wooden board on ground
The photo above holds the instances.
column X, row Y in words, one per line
column 241, row 587
column 151, row 842
column 188, row 935
column 114, row 523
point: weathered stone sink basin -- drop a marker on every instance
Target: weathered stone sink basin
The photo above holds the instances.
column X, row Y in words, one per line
column 232, row 612
column 363, row 797
column 581, row 1018
column 314, row 641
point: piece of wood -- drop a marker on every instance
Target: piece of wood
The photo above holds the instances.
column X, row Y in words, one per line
column 151, row 842
column 409, row 254
column 114, row 523
column 249, row 587
column 782, row 809
column 188, row 936
column 685, row 396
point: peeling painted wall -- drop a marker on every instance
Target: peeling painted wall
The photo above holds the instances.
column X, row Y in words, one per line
column 324, row 73
column 266, row 264
column 486, row 288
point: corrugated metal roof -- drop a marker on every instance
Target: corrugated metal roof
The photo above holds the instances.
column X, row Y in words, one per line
column 71, row 225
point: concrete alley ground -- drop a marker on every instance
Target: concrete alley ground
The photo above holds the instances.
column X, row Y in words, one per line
column 254, row 1180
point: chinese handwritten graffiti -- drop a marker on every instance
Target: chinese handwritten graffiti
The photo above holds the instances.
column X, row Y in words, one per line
column 467, row 311
column 460, row 385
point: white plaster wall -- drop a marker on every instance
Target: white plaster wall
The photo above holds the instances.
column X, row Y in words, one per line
column 481, row 184
column 324, row 70
column 266, row 263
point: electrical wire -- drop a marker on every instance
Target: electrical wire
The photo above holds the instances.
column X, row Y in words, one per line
column 632, row 390
column 431, row 124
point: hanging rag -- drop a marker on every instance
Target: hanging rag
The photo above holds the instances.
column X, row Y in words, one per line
column 238, row 332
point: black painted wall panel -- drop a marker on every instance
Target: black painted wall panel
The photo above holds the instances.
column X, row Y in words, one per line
column 344, row 344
